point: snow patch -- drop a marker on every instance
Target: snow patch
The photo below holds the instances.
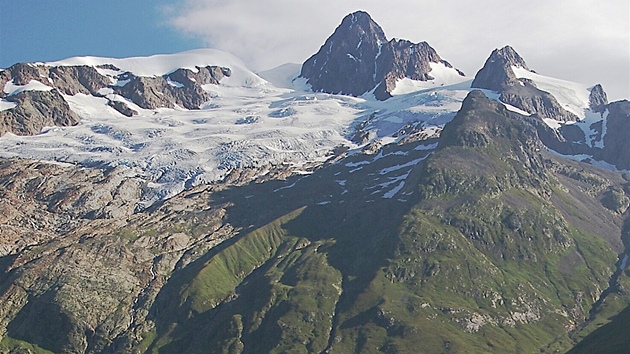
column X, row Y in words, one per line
column 174, row 83
column 12, row 89
column 552, row 123
column 399, row 167
column 589, row 159
column 283, row 76
column 426, row 147
column 392, row 193
column 442, row 76
column 4, row 105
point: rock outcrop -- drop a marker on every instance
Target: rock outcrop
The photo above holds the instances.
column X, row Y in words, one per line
column 607, row 141
column 46, row 107
column 529, row 98
column 181, row 87
column 22, row 74
column 402, row 59
column 497, row 75
column 78, row 79
column 122, row 108
column 357, row 58
column 597, row 99
column 616, row 148
column 157, row 92
column 203, row 75
column 36, row 110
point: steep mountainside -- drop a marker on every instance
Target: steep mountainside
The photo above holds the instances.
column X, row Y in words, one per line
column 482, row 250
column 357, row 58
column 609, row 338
column 183, row 204
column 486, row 244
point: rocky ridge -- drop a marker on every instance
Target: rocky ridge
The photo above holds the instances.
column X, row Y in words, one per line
column 44, row 105
column 605, row 140
column 497, row 75
column 35, row 110
column 357, row 58
column 597, row 99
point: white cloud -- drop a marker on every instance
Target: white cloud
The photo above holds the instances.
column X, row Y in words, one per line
column 580, row 40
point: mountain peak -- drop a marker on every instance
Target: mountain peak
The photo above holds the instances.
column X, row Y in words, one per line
column 497, row 73
column 346, row 63
column 509, row 56
column 357, row 58
column 361, row 18
column 358, row 26
column 597, row 99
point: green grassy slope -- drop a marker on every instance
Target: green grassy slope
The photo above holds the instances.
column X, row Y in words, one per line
column 481, row 259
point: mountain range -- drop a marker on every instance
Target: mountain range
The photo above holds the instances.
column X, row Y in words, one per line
column 372, row 199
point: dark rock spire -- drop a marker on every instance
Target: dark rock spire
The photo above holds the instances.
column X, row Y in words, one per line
column 357, row 58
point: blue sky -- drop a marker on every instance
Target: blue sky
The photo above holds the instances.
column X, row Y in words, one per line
column 586, row 41
column 45, row 30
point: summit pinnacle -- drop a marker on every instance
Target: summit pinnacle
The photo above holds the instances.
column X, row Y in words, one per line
column 357, row 58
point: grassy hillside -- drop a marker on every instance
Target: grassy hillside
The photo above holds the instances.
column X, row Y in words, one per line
column 485, row 256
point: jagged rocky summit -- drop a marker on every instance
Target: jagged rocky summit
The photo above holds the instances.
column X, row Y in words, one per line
column 498, row 74
column 357, row 58
column 600, row 134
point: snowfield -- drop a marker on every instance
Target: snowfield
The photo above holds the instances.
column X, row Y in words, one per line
column 252, row 121
column 442, row 76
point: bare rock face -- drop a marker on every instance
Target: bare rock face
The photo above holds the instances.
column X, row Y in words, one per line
column 497, row 75
column 203, row 75
column 36, row 110
column 597, row 99
column 357, row 58
column 616, row 143
column 615, row 148
column 403, row 59
column 78, row 79
column 157, row 92
column 526, row 96
column 346, row 63
column 122, row 108
column 181, row 87
column 21, row 74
